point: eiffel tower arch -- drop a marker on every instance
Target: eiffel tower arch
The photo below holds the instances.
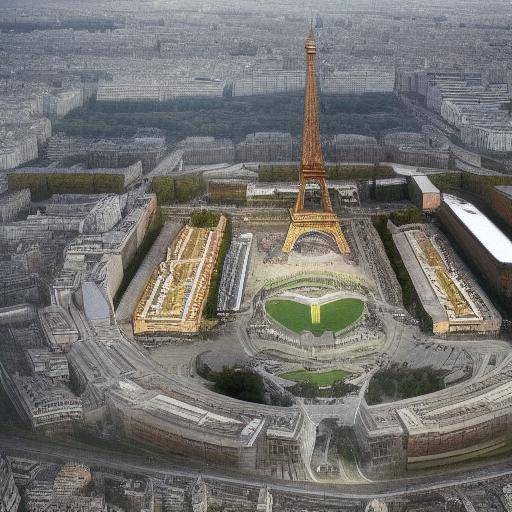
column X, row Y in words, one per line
column 312, row 170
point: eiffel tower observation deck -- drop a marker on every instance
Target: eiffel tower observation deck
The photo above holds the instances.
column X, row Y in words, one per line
column 312, row 170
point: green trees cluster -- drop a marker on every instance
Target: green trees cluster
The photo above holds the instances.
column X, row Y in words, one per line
column 276, row 173
column 204, row 219
column 408, row 292
column 235, row 117
column 240, row 384
column 346, row 443
column 399, row 382
column 408, row 216
column 179, row 189
column 359, row 172
column 94, row 126
column 447, row 181
column 43, row 185
column 389, row 193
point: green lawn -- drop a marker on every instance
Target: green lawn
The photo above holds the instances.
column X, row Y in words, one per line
column 320, row 379
column 334, row 316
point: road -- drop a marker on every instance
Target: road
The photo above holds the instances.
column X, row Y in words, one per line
column 49, row 451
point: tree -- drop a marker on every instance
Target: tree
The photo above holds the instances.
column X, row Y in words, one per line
column 241, row 384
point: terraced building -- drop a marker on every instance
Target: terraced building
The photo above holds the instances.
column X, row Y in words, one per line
column 447, row 290
column 176, row 293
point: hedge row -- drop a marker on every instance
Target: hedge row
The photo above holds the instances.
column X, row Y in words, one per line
column 170, row 190
column 447, row 181
column 43, row 185
column 275, row 173
column 479, row 184
column 210, row 309
column 482, row 185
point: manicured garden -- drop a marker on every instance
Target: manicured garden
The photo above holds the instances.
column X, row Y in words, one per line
column 319, row 378
column 334, row 316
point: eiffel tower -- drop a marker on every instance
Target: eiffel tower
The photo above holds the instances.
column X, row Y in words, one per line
column 312, row 170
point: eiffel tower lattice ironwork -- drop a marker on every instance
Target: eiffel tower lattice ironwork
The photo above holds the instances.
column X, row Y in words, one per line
column 312, row 170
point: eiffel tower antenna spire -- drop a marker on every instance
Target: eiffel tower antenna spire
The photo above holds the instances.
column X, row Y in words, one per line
column 312, row 168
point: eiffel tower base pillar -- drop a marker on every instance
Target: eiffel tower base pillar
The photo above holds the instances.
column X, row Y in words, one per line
column 315, row 222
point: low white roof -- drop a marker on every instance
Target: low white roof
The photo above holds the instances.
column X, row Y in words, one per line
column 489, row 235
column 425, row 185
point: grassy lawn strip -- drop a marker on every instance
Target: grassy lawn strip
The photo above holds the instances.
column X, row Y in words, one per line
column 334, row 316
column 320, row 379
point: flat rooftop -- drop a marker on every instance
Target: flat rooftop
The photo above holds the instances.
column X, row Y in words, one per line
column 506, row 190
column 424, row 184
column 482, row 228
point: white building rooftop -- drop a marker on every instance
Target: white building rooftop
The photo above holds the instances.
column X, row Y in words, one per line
column 424, row 184
column 489, row 235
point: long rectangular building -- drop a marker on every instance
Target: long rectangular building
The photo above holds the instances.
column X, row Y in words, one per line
column 164, row 90
column 447, row 291
column 251, row 437
column 359, row 81
column 176, row 293
column 488, row 249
